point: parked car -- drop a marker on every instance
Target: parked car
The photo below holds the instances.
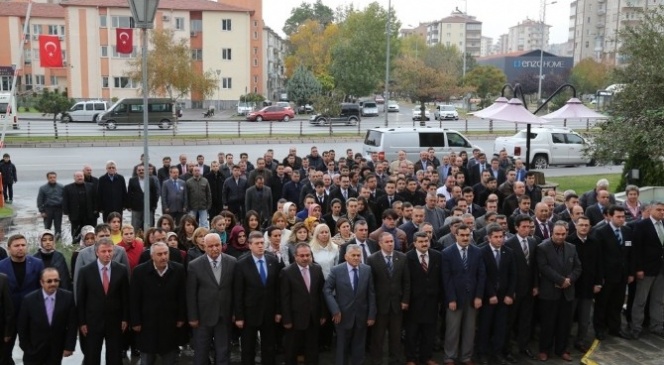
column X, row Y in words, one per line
column 446, row 112
column 548, row 146
column 369, row 109
column 84, row 111
column 305, row 109
column 284, row 104
column 392, row 106
column 350, row 114
column 271, row 113
column 417, row 114
column 129, row 111
column 379, row 99
column 244, row 108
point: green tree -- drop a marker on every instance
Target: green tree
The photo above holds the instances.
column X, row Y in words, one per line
column 252, row 98
column 635, row 131
column 487, row 81
column 311, row 46
column 171, row 71
column 303, row 86
column 358, row 58
column 328, row 105
column 318, row 12
column 588, row 76
column 53, row 102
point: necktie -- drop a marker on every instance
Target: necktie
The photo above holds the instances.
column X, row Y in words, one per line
column 481, row 169
column 545, row 231
column 261, row 271
column 305, row 276
column 389, row 201
column 464, row 258
column 49, row 309
column 104, row 279
column 389, row 264
column 345, row 194
column 425, row 267
column 175, row 183
column 618, row 236
column 214, row 264
column 526, row 250
column 356, row 280
column 496, row 254
column 660, row 231
column 365, row 254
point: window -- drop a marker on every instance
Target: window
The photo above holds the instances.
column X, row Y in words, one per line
column 255, row 61
column 574, row 139
column 53, row 29
column 179, row 23
column 456, row 140
column 558, row 137
column 255, row 35
column 54, row 80
column 62, row 30
column 104, row 51
column 136, row 108
column 27, row 56
column 28, row 79
column 226, row 54
column 196, row 25
column 226, row 83
column 35, row 54
column 122, row 55
column 77, row 107
column 39, row 80
column 226, row 24
column 122, row 82
column 103, row 21
column 89, row 106
column 255, row 23
column 120, row 21
column 255, row 50
column 432, row 140
column 36, row 29
column 197, row 54
column 104, row 81
column 255, row 79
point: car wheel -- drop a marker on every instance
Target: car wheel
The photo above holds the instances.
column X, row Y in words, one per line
column 259, row 118
column 111, row 124
column 540, row 162
column 286, row 118
column 65, row 119
column 165, row 124
column 456, row 118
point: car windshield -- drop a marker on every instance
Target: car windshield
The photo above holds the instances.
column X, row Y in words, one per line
column 373, row 138
column 369, row 105
column 447, row 108
column 523, row 135
column 3, row 108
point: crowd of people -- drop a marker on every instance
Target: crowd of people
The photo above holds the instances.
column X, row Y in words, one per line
column 458, row 252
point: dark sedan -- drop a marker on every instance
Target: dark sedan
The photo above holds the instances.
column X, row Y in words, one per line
column 271, row 113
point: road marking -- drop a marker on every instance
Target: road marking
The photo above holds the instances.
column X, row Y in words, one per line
column 586, row 360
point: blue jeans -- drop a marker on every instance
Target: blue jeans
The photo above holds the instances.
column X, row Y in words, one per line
column 201, row 216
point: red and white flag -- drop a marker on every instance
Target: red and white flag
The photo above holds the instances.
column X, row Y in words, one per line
column 124, row 40
column 50, row 52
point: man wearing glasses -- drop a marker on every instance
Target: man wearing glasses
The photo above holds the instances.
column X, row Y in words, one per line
column 47, row 322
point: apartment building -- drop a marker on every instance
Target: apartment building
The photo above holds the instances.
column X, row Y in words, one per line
column 274, row 70
column 459, row 29
column 486, row 47
column 594, row 26
column 528, row 35
column 218, row 35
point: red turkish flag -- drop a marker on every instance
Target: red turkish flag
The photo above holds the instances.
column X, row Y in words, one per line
column 50, row 53
column 124, row 40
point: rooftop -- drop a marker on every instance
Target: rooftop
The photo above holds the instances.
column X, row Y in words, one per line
column 38, row 10
column 188, row 5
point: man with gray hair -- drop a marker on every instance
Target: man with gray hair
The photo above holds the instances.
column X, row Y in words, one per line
column 590, row 197
column 111, row 192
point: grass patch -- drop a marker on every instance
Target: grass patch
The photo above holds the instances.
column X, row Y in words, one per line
column 581, row 184
column 6, row 211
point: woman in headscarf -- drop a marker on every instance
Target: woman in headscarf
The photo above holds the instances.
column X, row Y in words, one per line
column 290, row 209
column 237, row 242
column 52, row 258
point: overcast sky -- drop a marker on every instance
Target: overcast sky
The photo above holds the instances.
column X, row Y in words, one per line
column 496, row 16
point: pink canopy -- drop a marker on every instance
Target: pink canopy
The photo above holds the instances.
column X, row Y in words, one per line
column 514, row 112
column 574, row 109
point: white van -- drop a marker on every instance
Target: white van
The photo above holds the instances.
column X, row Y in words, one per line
column 387, row 142
column 8, row 111
column 84, row 111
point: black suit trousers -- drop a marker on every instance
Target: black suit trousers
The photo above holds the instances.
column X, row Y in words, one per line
column 419, row 336
column 608, row 305
column 556, row 322
column 268, row 342
column 492, row 328
column 114, row 345
column 392, row 324
column 520, row 319
column 305, row 342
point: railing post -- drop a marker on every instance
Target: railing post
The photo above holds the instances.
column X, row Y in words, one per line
column 359, row 128
column 587, row 125
column 29, row 129
column 301, row 131
column 271, row 125
column 491, row 126
column 239, row 134
column 466, row 124
column 207, row 129
column 329, row 123
column 516, row 128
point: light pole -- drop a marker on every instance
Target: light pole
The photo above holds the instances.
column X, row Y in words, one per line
column 541, row 63
column 386, row 97
column 144, row 12
column 219, row 89
column 465, row 37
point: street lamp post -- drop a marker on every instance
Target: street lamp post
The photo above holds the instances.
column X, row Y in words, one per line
column 144, row 12
column 386, row 97
column 541, row 63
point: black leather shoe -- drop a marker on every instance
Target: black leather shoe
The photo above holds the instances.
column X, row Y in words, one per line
column 499, row 359
column 511, row 358
column 600, row 335
column 625, row 335
column 581, row 347
column 529, row 354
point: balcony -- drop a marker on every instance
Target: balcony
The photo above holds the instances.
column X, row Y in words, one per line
column 599, row 25
column 601, row 11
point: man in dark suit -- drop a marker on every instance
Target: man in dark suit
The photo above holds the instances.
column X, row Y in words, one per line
column 6, row 314
column 499, row 293
column 256, row 298
column 350, row 297
column 158, row 305
column 589, row 283
column 475, row 173
column 111, row 192
column 362, row 240
column 216, row 180
column 527, row 283
column 135, row 199
column 47, row 322
column 543, row 227
column 385, row 201
column 259, row 198
column 647, row 258
column 234, row 192
column 596, row 211
column 174, row 196
column 322, row 197
column 615, row 242
column 559, row 268
column 23, row 273
column 303, row 306
column 209, row 301
column 102, row 298
column 79, row 204
column 464, row 276
column 392, row 284
column 424, row 265
column 343, row 192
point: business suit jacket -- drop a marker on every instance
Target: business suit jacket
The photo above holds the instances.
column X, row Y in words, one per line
column 500, row 280
column 391, row 289
column 355, row 307
column 383, row 203
column 174, row 197
column 135, row 194
column 87, row 256
column 425, row 286
column 59, row 262
column 96, row 309
column 255, row 303
column 527, row 276
column 207, row 300
column 233, row 193
column 111, row 195
column 324, row 203
column 615, row 258
column 589, row 255
column 41, row 342
column 73, row 205
column 553, row 271
column 372, row 247
column 647, row 252
column 409, row 228
column 302, row 307
column 6, row 308
column 461, row 285
column 259, row 201
column 337, row 194
column 402, row 245
column 538, row 229
column 33, row 268
column 594, row 214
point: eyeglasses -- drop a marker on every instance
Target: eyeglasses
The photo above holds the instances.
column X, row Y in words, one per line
column 51, row 281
